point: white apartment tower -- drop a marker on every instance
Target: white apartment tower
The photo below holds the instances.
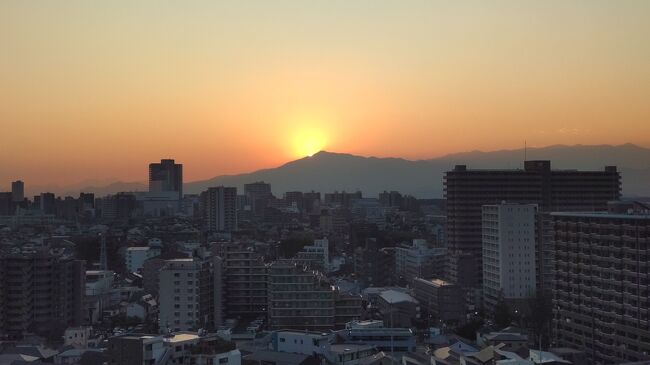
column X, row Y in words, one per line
column 508, row 253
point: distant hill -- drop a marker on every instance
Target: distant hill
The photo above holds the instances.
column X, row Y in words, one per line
column 328, row 171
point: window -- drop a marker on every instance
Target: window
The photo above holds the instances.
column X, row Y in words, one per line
column 223, row 361
column 283, row 339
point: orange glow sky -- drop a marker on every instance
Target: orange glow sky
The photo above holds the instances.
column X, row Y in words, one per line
column 98, row 89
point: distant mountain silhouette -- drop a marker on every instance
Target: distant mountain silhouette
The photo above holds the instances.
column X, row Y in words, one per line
column 328, row 171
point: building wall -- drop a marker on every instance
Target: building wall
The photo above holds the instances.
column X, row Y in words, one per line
column 467, row 191
column 508, row 252
column 602, row 288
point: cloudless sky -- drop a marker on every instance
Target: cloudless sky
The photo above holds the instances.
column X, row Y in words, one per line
column 98, row 89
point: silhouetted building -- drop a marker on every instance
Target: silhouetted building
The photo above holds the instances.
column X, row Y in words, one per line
column 552, row 190
column 258, row 193
column 245, row 278
column 166, row 176
column 18, row 191
column 219, row 207
column 601, row 301
column 48, row 203
column 374, row 265
column 40, row 289
column 118, row 207
column 6, row 203
column 342, row 198
column 390, row 199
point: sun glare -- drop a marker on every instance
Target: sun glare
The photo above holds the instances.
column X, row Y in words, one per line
column 307, row 142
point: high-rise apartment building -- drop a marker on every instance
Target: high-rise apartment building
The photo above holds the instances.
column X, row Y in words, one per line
column 219, row 207
column 39, row 288
column 18, row 191
column 602, row 287
column 190, row 294
column 259, row 194
column 48, row 203
column 552, row 190
column 245, row 280
column 166, row 176
column 302, row 299
column 508, row 254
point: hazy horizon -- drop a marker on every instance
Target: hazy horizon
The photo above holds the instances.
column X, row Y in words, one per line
column 96, row 90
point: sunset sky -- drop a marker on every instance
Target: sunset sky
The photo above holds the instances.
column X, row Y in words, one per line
column 98, row 89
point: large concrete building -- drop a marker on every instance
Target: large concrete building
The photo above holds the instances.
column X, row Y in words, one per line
column 166, row 176
column 602, row 287
column 468, row 190
column 39, row 288
column 508, row 254
column 18, row 191
column 305, row 300
column 245, row 280
column 219, row 206
column 190, row 294
column 442, row 302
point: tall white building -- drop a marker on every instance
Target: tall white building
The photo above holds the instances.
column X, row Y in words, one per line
column 508, row 252
column 220, row 208
column 190, row 294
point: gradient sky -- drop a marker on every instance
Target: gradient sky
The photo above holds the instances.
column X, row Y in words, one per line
column 98, row 89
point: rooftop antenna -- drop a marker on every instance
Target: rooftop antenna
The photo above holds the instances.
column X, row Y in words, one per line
column 525, row 151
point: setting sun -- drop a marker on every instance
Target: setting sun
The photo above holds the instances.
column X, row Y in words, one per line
column 308, row 141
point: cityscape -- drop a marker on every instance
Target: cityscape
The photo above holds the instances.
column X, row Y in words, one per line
column 169, row 194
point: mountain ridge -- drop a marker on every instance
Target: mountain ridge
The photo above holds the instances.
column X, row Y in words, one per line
column 328, row 171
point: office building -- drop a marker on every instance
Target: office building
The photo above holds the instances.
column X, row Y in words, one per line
column 219, row 208
column 190, row 293
column 468, row 190
column 258, row 194
column 18, row 191
column 601, row 293
column 442, row 302
column 39, row 288
column 166, row 176
column 509, row 235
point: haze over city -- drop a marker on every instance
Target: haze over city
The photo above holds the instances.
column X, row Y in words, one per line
column 91, row 91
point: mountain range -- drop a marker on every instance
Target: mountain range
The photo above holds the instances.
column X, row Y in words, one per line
column 328, row 171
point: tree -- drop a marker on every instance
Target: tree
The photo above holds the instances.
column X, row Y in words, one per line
column 502, row 314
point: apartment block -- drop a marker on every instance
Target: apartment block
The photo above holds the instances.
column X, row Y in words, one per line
column 602, row 284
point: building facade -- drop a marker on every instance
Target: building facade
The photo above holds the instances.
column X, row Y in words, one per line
column 166, row 176
column 602, row 286
column 468, row 190
column 39, row 288
column 219, row 206
column 509, row 236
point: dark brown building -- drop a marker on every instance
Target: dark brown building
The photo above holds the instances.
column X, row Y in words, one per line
column 553, row 190
column 40, row 288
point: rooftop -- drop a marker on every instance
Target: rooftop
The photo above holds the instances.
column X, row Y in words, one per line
column 393, row 296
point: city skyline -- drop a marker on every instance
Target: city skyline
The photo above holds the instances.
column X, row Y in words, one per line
column 228, row 88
